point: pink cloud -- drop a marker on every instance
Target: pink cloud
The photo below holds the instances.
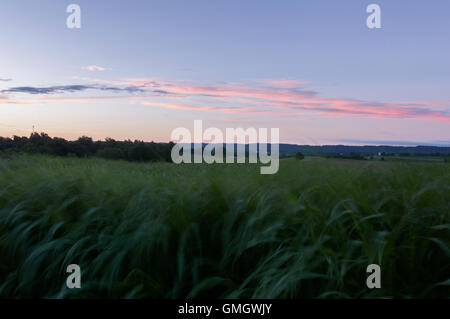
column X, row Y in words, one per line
column 230, row 110
column 7, row 100
column 297, row 100
column 278, row 97
column 94, row 68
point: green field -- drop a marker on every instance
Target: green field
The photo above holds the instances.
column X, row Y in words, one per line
column 162, row 230
column 428, row 159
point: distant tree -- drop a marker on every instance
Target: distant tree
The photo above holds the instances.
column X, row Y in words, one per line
column 59, row 147
column 139, row 152
column 299, row 156
column 109, row 142
column 84, row 146
column 39, row 139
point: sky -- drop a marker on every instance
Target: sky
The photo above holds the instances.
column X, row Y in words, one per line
column 312, row 68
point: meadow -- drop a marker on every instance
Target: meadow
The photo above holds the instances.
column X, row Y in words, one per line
column 160, row 230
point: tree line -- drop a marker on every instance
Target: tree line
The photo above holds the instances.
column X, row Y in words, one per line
column 42, row 143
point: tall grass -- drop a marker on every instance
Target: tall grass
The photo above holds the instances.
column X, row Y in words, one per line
column 175, row 231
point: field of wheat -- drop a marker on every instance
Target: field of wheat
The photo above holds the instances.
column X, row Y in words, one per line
column 162, row 230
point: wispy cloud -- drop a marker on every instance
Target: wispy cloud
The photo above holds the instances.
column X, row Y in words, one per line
column 295, row 100
column 94, row 68
column 394, row 143
column 230, row 110
column 7, row 100
column 277, row 97
column 69, row 89
column 5, row 80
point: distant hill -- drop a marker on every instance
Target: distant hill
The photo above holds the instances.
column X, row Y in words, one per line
column 367, row 150
column 362, row 150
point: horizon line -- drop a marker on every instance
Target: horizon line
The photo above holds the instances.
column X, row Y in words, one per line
column 350, row 143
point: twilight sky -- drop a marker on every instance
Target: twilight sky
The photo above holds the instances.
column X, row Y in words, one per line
column 139, row 69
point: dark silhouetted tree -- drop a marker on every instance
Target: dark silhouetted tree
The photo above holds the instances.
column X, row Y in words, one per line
column 299, row 156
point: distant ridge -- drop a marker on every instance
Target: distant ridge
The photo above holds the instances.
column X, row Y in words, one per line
column 323, row 150
column 363, row 150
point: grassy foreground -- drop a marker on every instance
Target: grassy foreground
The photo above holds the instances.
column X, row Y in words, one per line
column 174, row 231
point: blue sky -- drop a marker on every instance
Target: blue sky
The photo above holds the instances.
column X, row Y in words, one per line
column 311, row 68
